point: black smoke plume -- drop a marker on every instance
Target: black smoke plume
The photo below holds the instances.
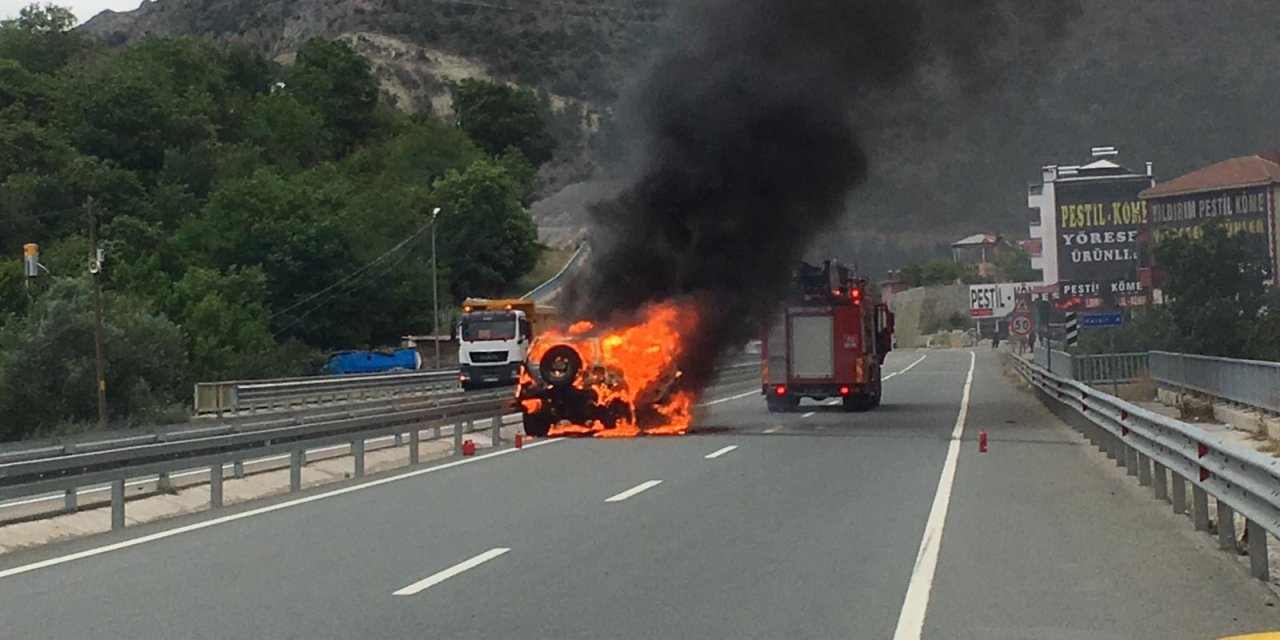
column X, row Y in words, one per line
column 750, row 143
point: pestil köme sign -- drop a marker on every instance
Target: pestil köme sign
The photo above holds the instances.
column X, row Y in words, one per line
column 1100, row 224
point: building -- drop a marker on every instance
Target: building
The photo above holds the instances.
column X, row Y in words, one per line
column 978, row 250
column 1240, row 193
column 1090, row 222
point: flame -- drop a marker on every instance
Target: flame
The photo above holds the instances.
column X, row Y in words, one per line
column 632, row 370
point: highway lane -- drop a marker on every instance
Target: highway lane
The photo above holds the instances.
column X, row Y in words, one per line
column 809, row 528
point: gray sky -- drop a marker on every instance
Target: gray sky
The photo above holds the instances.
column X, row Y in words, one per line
column 84, row 9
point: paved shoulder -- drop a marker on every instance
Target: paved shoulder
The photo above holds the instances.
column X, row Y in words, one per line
column 1046, row 540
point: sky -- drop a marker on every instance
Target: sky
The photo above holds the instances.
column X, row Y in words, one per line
column 84, row 9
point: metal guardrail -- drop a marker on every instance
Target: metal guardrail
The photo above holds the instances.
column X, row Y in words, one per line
column 263, row 395
column 50, row 468
column 1160, row 450
column 1252, row 383
column 548, row 290
column 114, row 466
column 1092, row 369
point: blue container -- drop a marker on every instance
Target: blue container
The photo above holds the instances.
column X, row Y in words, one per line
column 374, row 361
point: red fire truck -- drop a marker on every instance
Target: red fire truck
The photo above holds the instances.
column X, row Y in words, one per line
column 829, row 342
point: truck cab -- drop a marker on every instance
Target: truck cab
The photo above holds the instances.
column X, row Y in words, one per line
column 494, row 337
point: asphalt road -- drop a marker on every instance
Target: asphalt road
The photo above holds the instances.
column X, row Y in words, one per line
column 801, row 525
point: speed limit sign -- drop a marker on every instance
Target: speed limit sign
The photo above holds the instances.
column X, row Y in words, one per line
column 1020, row 324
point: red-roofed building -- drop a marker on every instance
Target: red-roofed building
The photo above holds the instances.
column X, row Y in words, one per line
column 1239, row 193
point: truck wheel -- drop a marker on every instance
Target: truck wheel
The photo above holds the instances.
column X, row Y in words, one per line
column 857, row 402
column 782, row 405
column 536, row 425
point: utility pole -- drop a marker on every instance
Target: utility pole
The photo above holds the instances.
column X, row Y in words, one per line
column 435, row 288
column 95, row 268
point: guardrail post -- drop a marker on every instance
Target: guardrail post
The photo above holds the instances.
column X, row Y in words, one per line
column 495, row 431
column 237, row 469
column 413, row 445
column 1144, row 470
column 1200, row 504
column 458, row 428
column 295, row 470
column 1226, row 526
column 215, row 486
column 1161, row 481
column 163, row 484
column 69, row 500
column 399, row 440
column 117, row 504
column 1259, row 564
column 1131, row 460
column 357, row 454
column 1119, row 448
column 1179, row 493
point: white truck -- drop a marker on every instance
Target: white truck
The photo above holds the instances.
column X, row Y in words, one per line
column 494, row 338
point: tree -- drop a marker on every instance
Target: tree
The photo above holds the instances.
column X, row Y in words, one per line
column 41, row 38
column 331, row 77
column 284, row 227
column 1264, row 342
column 44, row 19
column 1214, row 287
column 1014, row 264
column 498, row 116
column 46, row 361
column 487, row 240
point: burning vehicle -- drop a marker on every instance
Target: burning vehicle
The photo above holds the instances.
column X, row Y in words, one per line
column 591, row 380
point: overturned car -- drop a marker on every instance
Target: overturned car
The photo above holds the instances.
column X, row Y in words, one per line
column 593, row 382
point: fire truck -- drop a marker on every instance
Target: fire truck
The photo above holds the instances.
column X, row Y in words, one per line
column 829, row 341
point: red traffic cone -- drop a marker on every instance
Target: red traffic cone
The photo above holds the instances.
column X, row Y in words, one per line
column 982, row 441
column 519, row 440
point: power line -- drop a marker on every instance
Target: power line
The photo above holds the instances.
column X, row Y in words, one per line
column 356, row 274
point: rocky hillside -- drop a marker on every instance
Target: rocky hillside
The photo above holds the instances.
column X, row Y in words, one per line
column 1179, row 82
column 579, row 50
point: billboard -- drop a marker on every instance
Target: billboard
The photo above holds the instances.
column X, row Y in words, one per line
column 1242, row 212
column 997, row 300
column 1100, row 224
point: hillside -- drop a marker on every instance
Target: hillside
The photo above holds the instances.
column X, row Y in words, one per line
column 1181, row 83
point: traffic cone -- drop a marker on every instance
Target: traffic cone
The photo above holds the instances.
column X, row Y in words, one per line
column 982, row 441
column 468, row 447
column 519, row 440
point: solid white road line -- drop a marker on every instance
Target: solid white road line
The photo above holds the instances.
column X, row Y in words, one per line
column 717, row 454
column 754, row 392
column 466, row 565
column 906, row 368
column 774, row 429
column 161, row 535
column 640, row 488
column 916, row 602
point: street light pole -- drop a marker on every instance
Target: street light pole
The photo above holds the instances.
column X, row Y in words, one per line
column 435, row 288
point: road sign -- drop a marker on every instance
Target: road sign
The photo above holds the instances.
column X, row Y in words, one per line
column 1102, row 320
column 1073, row 329
column 1020, row 324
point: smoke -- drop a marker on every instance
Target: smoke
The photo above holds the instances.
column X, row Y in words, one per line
column 750, row 142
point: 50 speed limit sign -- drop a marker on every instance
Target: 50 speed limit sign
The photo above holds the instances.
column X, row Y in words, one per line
column 1020, row 325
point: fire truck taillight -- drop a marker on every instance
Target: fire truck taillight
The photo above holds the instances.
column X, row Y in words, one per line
column 856, row 294
column 780, row 390
column 844, row 391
